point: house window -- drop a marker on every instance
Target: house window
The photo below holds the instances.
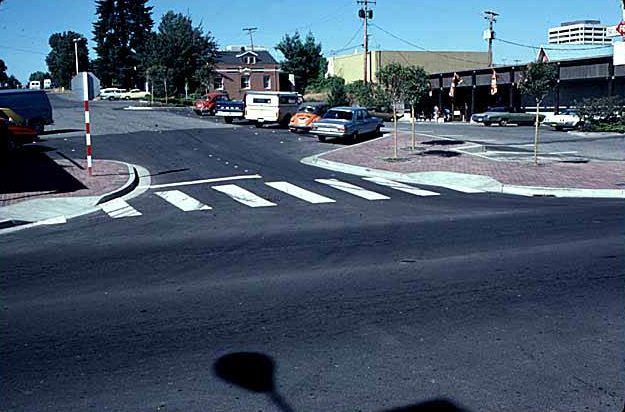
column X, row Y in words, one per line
column 245, row 82
column 250, row 59
column 218, row 83
column 267, row 81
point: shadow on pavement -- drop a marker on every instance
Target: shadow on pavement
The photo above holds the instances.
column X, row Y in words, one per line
column 30, row 169
column 255, row 372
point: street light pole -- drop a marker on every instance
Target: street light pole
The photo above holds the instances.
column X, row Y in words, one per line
column 76, row 53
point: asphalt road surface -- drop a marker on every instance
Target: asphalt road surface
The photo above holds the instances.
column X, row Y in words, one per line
column 378, row 300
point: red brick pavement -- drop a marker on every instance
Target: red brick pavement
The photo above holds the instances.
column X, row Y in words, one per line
column 107, row 177
column 375, row 154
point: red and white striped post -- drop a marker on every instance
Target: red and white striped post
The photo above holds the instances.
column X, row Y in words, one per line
column 85, row 89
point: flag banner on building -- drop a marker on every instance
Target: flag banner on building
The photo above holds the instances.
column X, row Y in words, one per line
column 455, row 81
column 493, row 83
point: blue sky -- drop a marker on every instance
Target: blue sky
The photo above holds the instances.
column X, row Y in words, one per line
column 452, row 25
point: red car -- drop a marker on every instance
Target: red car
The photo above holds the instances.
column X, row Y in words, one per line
column 13, row 131
column 206, row 104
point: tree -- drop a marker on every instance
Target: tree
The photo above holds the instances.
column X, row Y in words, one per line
column 337, row 95
column 62, row 58
column 3, row 73
column 301, row 58
column 392, row 78
column 361, row 93
column 181, row 53
column 121, row 33
column 417, row 88
column 540, row 79
column 39, row 76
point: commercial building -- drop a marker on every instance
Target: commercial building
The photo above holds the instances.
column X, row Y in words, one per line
column 351, row 67
column 581, row 77
column 580, row 32
column 243, row 70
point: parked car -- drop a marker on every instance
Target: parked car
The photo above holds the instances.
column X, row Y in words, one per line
column 504, row 116
column 135, row 94
column 346, row 122
column 306, row 114
column 207, row 103
column 14, row 131
column 111, row 93
column 271, row 107
column 567, row 119
column 230, row 110
column 32, row 106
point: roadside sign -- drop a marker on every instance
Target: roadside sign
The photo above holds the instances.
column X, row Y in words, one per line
column 93, row 86
column 620, row 28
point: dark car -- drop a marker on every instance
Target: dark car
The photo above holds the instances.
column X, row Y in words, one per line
column 504, row 116
column 32, row 105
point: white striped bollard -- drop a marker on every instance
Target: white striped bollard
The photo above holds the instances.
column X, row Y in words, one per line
column 85, row 88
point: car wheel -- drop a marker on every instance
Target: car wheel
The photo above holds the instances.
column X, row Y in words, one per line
column 258, row 124
column 321, row 138
column 487, row 124
column 503, row 123
column 228, row 120
column 378, row 131
column 127, row 98
column 9, row 144
column 558, row 128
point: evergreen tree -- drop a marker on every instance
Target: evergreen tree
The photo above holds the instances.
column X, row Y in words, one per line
column 301, row 58
column 121, row 33
column 62, row 58
column 3, row 73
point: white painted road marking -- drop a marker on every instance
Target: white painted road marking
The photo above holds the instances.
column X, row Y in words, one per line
column 400, row 186
column 118, row 208
column 199, row 182
column 243, row 196
column 352, row 189
column 182, row 201
column 300, row 193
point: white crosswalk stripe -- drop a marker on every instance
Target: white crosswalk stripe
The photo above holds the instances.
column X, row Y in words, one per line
column 243, row 196
column 400, row 186
column 300, row 193
column 182, row 201
column 352, row 189
column 118, row 208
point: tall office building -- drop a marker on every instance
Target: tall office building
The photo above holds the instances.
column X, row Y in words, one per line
column 580, row 32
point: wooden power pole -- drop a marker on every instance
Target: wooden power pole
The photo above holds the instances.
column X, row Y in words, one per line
column 489, row 35
column 366, row 13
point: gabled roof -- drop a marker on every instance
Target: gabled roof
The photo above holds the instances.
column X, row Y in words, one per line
column 234, row 57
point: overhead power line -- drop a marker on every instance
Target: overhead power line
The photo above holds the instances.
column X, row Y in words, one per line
column 528, row 46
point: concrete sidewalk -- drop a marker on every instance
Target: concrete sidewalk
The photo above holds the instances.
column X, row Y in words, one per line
column 470, row 168
column 48, row 188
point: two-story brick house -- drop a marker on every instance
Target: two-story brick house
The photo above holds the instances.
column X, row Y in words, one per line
column 240, row 71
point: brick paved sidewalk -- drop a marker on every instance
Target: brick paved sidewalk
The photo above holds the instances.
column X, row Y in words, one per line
column 40, row 175
column 377, row 154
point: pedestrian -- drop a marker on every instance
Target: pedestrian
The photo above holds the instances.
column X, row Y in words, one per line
column 435, row 113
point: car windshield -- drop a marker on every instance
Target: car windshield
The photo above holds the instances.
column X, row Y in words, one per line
column 338, row 114
column 306, row 108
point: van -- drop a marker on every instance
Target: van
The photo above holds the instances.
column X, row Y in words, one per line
column 271, row 107
column 34, row 85
column 32, row 105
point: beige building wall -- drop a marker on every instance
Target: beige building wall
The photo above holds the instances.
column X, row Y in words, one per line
column 351, row 67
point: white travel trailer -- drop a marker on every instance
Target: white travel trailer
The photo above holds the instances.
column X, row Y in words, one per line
column 271, row 107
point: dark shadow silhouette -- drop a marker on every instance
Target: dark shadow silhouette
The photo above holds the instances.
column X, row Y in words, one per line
column 29, row 169
column 254, row 372
column 166, row 172
column 60, row 131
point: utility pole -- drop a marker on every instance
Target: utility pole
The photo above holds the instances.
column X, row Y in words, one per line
column 250, row 31
column 76, row 53
column 489, row 34
column 366, row 14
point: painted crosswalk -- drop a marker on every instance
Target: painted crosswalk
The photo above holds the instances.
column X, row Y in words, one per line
column 243, row 196
column 118, row 208
column 400, row 186
column 314, row 195
column 298, row 192
column 182, row 201
column 352, row 189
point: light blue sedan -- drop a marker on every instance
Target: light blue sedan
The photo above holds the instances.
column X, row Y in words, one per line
column 346, row 122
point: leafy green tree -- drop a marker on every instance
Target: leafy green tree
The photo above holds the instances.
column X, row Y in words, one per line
column 337, row 96
column 62, row 58
column 39, row 76
column 392, row 78
column 540, row 79
column 301, row 58
column 417, row 88
column 361, row 93
column 181, row 53
column 4, row 77
column 121, row 33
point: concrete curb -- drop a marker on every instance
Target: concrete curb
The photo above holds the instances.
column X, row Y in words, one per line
column 138, row 182
column 462, row 182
